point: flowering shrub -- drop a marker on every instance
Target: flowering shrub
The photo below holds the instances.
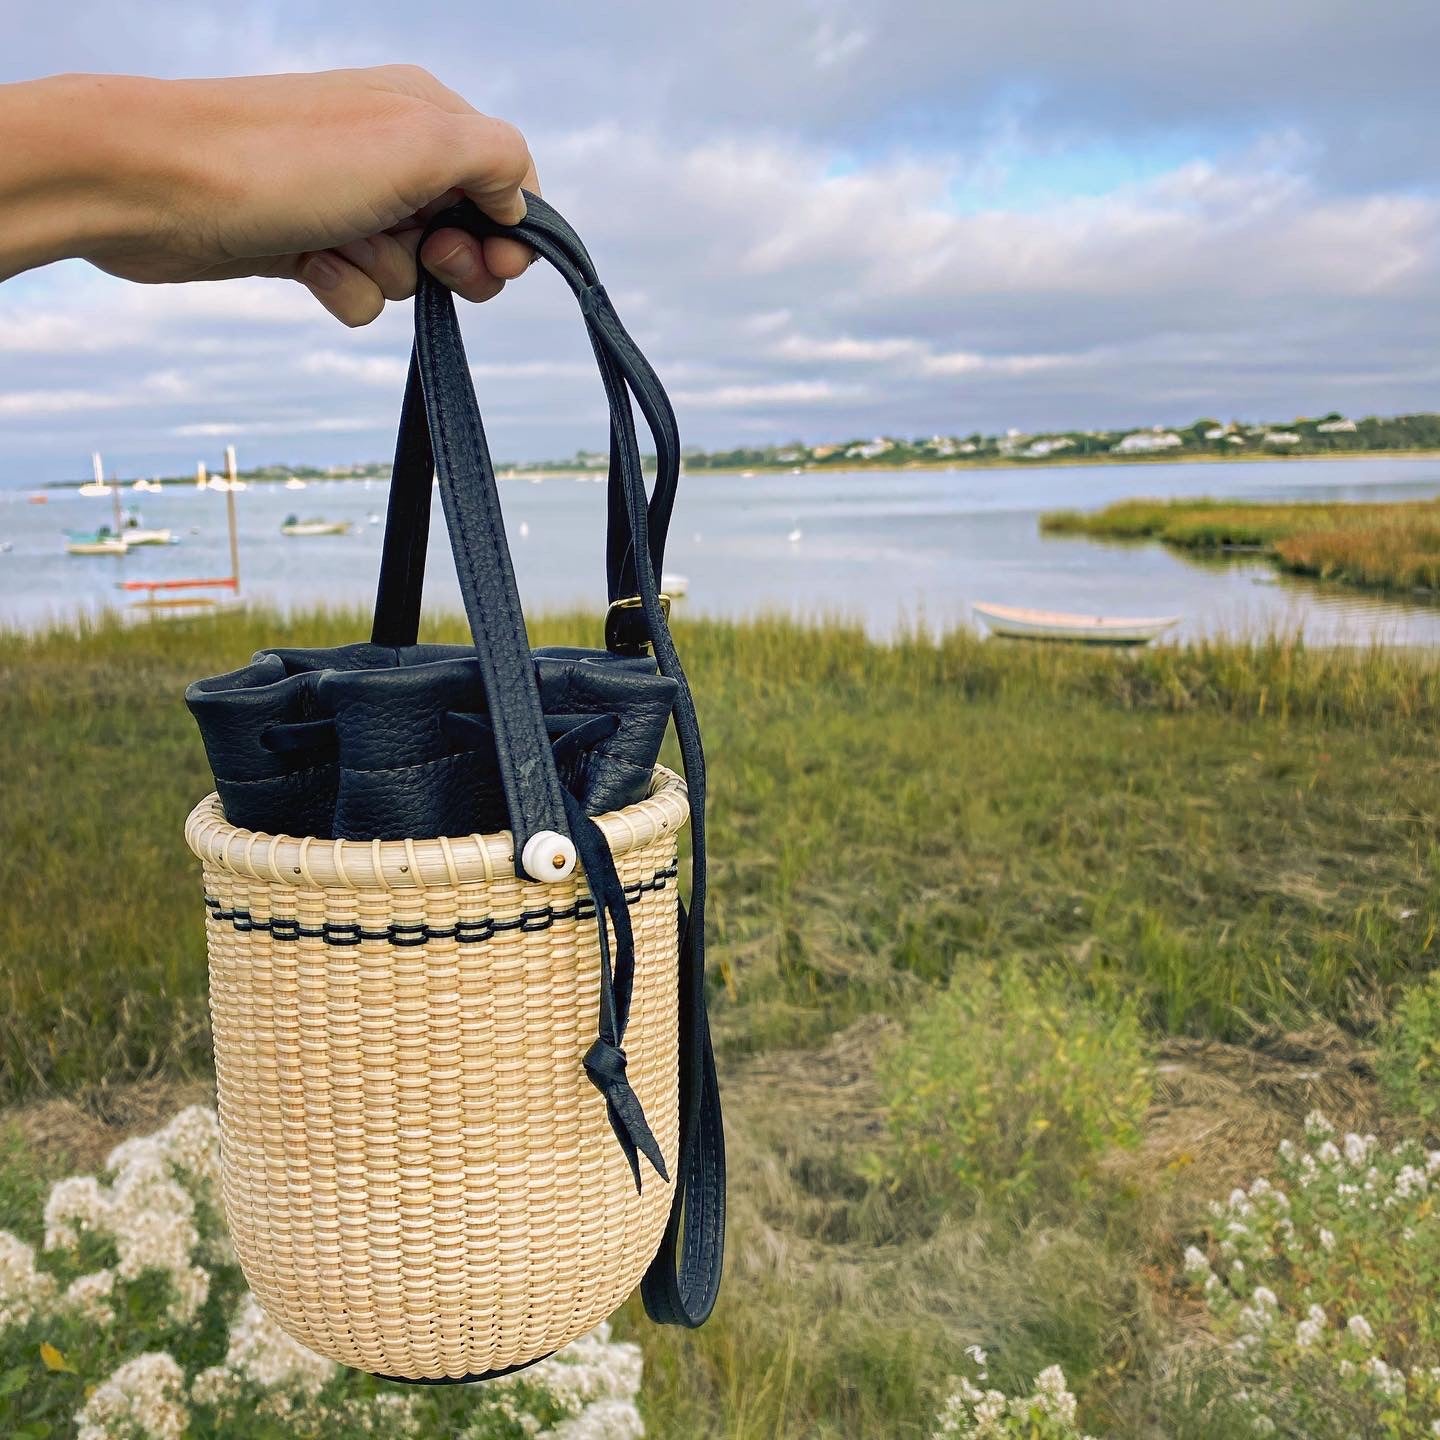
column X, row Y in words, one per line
column 1323, row 1284
column 132, row 1322
column 1408, row 1062
column 1008, row 1090
column 973, row 1413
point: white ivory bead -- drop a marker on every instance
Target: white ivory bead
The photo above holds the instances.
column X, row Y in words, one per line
column 548, row 856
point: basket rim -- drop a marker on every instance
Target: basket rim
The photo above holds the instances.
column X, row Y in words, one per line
column 414, row 864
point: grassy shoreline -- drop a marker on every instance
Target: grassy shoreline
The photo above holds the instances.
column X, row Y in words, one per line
column 953, row 462
column 1385, row 546
column 1232, row 843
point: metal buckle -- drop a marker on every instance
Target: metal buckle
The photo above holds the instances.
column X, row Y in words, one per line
column 626, row 632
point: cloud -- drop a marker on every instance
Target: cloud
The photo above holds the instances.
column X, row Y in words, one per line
column 783, row 393
column 818, row 218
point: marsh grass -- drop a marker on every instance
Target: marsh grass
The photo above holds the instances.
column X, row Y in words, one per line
column 1230, row 834
column 1224, row 839
column 1380, row 546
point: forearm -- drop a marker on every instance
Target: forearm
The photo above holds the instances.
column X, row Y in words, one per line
column 327, row 178
column 71, row 166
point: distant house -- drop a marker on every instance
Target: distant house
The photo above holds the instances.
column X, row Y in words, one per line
column 941, row 446
column 1216, row 434
column 822, row 452
column 1281, row 437
column 1234, row 439
column 789, row 457
column 1336, row 427
column 870, row 449
column 1038, row 449
column 1144, row 440
column 967, row 447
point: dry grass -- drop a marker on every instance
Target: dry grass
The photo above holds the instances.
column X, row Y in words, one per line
column 1388, row 546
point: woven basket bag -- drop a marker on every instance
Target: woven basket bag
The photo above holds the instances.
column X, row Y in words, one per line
column 419, row 1126
column 419, row 1178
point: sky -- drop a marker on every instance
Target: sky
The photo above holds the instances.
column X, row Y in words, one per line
column 820, row 219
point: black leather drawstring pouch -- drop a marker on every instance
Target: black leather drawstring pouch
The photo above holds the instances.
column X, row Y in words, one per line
column 393, row 739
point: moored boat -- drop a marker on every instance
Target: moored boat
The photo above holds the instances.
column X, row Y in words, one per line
column 296, row 527
column 103, row 541
column 1017, row 622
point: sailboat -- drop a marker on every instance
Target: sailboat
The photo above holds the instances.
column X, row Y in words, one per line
column 97, row 486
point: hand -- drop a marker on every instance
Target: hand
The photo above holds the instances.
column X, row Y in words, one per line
column 325, row 178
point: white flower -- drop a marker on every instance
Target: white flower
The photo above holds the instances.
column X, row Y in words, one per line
column 1317, row 1127
column 261, row 1352
column 1326, row 1238
column 1359, row 1327
column 1287, row 1151
column 1328, row 1153
column 1390, row 1383
column 1262, row 1295
column 89, row 1297
column 1307, row 1333
column 75, row 1206
column 142, row 1398
column 1358, row 1147
column 22, row 1286
column 1410, row 1181
column 1196, row 1261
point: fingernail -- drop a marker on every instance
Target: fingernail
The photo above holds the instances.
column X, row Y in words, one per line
column 457, row 265
column 320, row 272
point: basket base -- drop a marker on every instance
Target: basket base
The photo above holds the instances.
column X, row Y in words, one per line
column 465, row 1379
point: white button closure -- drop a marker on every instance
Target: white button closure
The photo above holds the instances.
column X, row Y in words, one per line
column 548, row 856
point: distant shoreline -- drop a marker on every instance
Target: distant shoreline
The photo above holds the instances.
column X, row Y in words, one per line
column 998, row 462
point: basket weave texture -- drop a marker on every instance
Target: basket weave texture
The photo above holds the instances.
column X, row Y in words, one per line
column 419, row 1177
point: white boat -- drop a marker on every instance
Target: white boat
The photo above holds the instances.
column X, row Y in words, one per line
column 97, row 486
column 96, row 545
column 294, row 483
column 134, row 535
column 302, row 528
column 1019, row 623
column 675, row 585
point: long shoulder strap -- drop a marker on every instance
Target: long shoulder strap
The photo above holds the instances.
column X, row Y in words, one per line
column 682, row 1283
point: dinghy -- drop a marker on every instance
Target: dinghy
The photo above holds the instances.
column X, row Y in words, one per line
column 295, row 526
column 1022, row 624
column 103, row 541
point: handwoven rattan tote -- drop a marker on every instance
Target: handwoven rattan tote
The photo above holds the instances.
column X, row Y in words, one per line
column 430, row 1162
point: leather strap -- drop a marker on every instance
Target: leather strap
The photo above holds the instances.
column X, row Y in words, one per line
column 682, row 1282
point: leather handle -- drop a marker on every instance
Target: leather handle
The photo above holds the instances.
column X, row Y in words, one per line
column 402, row 563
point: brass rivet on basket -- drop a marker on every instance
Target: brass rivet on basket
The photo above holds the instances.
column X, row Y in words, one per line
column 559, row 862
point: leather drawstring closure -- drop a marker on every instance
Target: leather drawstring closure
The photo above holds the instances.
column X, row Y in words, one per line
column 605, row 1060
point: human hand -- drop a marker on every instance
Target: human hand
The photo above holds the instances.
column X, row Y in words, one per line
column 325, row 178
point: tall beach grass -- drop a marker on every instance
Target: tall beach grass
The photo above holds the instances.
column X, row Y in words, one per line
column 1391, row 546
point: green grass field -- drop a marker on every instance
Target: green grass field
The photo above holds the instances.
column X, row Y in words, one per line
column 1235, row 844
column 1391, row 546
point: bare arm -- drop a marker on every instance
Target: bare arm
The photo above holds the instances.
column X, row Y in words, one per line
column 323, row 178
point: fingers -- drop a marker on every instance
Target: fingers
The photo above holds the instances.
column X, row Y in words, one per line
column 388, row 260
column 344, row 289
column 457, row 259
column 509, row 259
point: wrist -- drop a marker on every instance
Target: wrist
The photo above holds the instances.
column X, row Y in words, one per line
column 87, row 170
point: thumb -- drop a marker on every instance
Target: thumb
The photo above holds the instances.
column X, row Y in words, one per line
column 493, row 162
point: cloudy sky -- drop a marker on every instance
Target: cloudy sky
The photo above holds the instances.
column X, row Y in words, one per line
column 821, row 218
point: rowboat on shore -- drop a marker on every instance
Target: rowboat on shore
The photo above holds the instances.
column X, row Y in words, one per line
column 1018, row 623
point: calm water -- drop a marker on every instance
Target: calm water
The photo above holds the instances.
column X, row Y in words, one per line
column 883, row 547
